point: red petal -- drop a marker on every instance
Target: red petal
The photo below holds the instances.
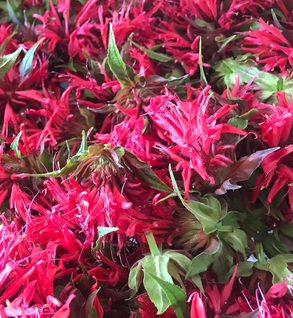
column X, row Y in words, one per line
column 197, row 307
column 64, row 311
column 226, row 292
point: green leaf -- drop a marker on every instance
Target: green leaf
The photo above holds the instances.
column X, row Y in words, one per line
column 175, row 296
column 238, row 122
column 277, row 266
column 116, row 64
column 88, row 116
column 69, row 167
column 3, row 45
column 26, row 64
column 7, row 61
column 135, row 278
column 102, row 231
column 201, row 70
column 225, row 41
column 273, row 244
column 180, row 259
column 202, row 261
column 226, row 71
column 164, row 58
column 207, row 216
column 11, row 13
column 157, row 265
column 83, row 146
column 86, row 280
column 232, row 218
column 14, row 145
column 237, row 240
column 245, row 269
column 152, row 244
column 223, row 261
column 90, row 310
column 120, row 152
column 144, row 173
column 197, row 281
column 287, row 229
column 249, row 114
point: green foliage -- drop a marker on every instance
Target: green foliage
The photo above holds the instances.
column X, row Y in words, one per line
column 154, row 272
column 124, row 73
column 7, row 61
column 14, row 144
column 26, row 64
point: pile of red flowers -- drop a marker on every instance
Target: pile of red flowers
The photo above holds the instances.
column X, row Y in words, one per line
column 146, row 158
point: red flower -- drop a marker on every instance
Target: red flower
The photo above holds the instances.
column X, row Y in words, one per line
column 197, row 308
column 278, row 171
column 106, row 194
column 276, row 125
column 193, row 136
column 271, row 46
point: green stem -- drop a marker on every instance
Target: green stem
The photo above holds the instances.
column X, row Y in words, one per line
column 201, row 71
column 259, row 253
column 152, row 244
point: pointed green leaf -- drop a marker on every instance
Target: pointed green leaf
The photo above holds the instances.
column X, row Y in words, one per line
column 207, row 216
column 106, row 230
column 26, row 64
column 90, row 310
column 273, row 245
column 7, row 61
column 152, row 244
column 201, row 70
column 233, row 218
column 245, row 269
column 11, row 13
column 237, row 240
column 3, row 45
column 226, row 71
column 223, row 261
column 225, row 41
column 102, row 231
column 86, row 280
column 14, row 145
column 164, row 58
column 135, row 277
column 144, row 173
column 70, row 167
column 197, row 281
column 83, row 146
column 238, row 122
column 287, row 229
column 116, row 64
column 175, row 295
column 202, row 261
column 180, row 259
column 157, row 265
column 277, row 266
column 120, row 152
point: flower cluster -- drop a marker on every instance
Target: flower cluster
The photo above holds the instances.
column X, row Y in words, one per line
column 146, row 159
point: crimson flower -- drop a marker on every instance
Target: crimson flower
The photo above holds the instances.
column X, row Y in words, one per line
column 273, row 49
column 192, row 134
column 276, row 124
column 106, row 193
column 278, row 172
